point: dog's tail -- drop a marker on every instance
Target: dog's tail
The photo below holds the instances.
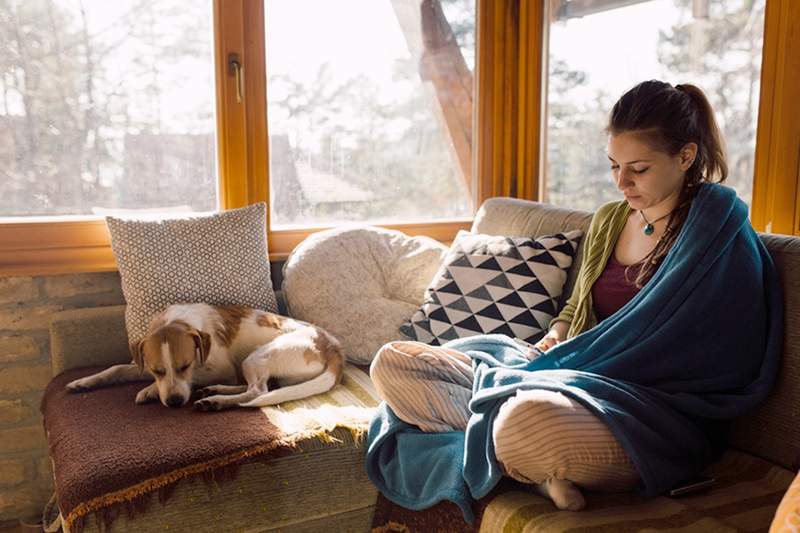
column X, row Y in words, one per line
column 322, row 383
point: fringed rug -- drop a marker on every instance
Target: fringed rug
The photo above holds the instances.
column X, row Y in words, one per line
column 110, row 455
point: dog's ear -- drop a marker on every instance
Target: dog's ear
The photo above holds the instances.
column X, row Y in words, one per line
column 137, row 353
column 202, row 345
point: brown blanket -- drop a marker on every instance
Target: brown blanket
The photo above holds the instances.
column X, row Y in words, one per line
column 107, row 451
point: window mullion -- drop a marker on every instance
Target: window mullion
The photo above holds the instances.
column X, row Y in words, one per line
column 241, row 120
column 776, row 195
column 509, row 98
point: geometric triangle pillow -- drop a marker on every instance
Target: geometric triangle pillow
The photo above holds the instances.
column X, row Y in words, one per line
column 495, row 284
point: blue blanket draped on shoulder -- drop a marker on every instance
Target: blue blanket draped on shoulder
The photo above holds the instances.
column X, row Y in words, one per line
column 699, row 344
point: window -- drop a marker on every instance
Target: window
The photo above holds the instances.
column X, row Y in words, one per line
column 106, row 105
column 504, row 43
column 369, row 107
column 597, row 51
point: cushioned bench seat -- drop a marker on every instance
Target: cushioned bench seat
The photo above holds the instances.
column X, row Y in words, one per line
column 238, row 470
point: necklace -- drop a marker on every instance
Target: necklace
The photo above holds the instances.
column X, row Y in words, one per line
column 649, row 228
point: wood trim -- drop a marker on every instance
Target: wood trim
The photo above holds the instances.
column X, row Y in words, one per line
column 229, row 18
column 776, row 195
column 256, row 105
column 242, row 126
column 530, row 115
column 509, row 77
column 489, row 69
column 47, row 248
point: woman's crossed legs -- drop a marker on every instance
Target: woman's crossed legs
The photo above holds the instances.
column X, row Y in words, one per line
column 540, row 437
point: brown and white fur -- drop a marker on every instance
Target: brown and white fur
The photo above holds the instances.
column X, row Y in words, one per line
column 232, row 352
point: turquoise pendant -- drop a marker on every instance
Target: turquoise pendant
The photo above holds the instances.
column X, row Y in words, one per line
column 649, row 229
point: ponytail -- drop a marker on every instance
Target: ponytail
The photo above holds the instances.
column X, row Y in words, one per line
column 710, row 164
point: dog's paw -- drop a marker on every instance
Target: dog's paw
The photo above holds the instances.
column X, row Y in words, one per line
column 205, row 392
column 145, row 396
column 207, row 404
column 79, row 385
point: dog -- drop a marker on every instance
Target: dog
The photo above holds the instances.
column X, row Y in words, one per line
column 229, row 353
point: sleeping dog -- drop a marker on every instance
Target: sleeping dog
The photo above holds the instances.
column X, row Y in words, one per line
column 220, row 348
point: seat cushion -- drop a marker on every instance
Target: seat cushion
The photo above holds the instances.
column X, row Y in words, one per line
column 744, row 498
column 360, row 284
column 110, row 455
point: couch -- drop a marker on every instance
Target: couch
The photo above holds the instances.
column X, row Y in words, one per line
column 314, row 480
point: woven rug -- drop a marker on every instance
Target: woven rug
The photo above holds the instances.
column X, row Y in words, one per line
column 108, row 452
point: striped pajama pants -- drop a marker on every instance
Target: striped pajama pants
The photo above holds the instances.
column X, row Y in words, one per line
column 537, row 434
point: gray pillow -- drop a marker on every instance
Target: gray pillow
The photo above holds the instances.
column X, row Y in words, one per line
column 220, row 259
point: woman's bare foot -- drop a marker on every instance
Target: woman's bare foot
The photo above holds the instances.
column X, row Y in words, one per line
column 564, row 494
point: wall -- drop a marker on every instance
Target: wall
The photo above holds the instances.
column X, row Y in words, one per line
column 26, row 304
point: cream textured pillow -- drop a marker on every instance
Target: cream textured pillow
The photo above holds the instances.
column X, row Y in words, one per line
column 219, row 259
column 360, row 284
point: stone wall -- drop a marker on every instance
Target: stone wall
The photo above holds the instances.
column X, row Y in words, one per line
column 26, row 304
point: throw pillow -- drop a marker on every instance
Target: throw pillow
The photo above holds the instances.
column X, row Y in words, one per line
column 219, row 259
column 787, row 517
column 494, row 284
column 360, row 283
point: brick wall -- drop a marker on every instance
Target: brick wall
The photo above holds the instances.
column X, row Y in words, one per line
column 26, row 304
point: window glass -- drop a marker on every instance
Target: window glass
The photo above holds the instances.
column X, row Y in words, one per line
column 598, row 51
column 106, row 105
column 369, row 110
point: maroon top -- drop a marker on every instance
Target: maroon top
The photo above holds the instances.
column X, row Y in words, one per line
column 611, row 290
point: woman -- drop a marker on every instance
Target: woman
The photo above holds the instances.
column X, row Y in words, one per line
column 655, row 360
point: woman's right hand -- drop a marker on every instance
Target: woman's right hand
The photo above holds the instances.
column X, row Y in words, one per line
column 547, row 342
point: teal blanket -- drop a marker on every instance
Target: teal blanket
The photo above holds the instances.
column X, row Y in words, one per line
column 697, row 346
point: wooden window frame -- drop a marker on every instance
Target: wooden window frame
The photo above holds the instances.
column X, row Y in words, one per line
column 776, row 194
column 507, row 121
column 505, row 153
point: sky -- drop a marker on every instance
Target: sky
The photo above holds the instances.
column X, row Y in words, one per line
column 617, row 48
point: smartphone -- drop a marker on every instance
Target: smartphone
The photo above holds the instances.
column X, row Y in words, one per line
column 695, row 484
column 530, row 347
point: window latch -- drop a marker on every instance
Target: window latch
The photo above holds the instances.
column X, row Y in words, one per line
column 236, row 69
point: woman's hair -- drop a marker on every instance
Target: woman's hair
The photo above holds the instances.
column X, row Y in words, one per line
column 668, row 118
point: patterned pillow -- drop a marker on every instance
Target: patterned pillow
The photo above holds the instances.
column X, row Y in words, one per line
column 219, row 259
column 488, row 284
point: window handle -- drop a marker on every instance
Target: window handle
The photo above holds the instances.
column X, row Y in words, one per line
column 236, row 69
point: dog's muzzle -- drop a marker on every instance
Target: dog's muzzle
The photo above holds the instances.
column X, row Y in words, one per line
column 175, row 400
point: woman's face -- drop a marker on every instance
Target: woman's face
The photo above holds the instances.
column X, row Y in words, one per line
column 646, row 176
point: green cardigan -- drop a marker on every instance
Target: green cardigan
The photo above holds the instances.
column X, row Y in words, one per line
column 598, row 246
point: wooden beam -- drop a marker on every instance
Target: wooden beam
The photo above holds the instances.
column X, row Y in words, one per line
column 431, row 41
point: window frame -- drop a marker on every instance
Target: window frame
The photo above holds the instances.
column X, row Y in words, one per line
column 776, row 185
column 508, row 125
column 81, row 244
